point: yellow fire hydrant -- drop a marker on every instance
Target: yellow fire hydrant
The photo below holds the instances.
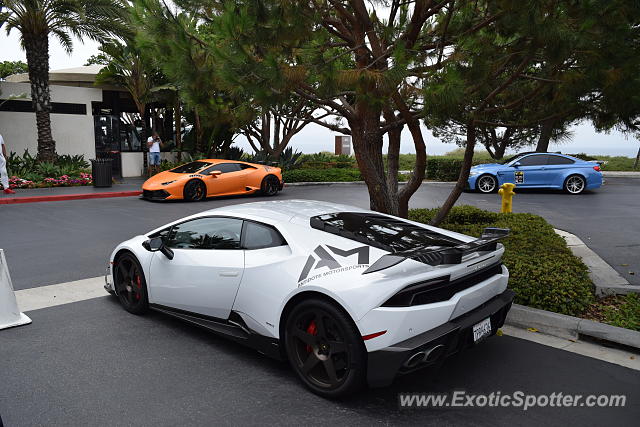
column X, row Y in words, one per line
column 507, row 193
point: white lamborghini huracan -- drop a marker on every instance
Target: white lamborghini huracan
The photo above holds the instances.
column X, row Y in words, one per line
column 349, row 296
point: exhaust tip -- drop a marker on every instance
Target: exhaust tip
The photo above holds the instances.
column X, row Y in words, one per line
column 433, row 354
column 415, row 359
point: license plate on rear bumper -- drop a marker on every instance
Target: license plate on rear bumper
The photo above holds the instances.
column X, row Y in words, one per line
column 482, row 330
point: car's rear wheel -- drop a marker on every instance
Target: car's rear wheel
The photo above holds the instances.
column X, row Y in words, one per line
column 195, row 191
column 270, row 185
column 130, row 284
column 325, row 348
column 575, row 184
column 486, row 184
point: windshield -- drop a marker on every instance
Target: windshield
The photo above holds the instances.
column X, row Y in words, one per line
column 380, row 231
column 190, row 167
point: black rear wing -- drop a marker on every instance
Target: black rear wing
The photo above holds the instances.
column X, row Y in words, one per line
column 453, row 255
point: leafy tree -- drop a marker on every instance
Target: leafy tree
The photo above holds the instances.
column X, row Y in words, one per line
column 36, row 20
column 274, row 127
column 8, row 68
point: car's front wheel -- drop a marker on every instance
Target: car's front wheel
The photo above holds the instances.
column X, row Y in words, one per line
column 486, row 184
column 130, row 284
column 575, row 184
column 325, row 348
column 195, row 191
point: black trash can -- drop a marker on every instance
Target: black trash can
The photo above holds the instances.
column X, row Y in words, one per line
column 101, row 170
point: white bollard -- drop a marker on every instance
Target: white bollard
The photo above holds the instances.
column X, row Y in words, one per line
column 10, row 315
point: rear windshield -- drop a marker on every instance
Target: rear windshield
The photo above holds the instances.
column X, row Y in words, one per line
column 190, row 167
column 380, row 231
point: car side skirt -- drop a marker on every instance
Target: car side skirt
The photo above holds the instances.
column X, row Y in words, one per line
column 234, row 331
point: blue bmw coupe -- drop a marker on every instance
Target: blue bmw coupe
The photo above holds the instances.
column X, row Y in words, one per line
column 538, row 170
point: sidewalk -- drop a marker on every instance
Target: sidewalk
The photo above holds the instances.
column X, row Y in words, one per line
column 125, row 187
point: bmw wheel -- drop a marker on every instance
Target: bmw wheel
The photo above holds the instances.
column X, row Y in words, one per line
column 486, row 184
column 270, row 185
column 325, row 348
column 195, row 191
column 575, row 184
column 130, row 284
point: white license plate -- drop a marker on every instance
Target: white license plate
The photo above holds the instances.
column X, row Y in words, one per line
column 481, row 330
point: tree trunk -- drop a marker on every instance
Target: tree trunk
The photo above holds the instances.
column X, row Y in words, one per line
column 635, row 164
column 462, row 178
column 393, row 152
column 143, row 143
column 178, row 125
column 367, row 144
column 545, row 136
column 415, row 180
column 37, row 50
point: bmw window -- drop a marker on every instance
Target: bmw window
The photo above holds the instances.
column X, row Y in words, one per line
column 559, row 160
column 537, row 160
column 206, row 233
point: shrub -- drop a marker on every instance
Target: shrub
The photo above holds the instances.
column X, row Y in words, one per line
column 543, row 271
column 322, row 175
column 626, row 314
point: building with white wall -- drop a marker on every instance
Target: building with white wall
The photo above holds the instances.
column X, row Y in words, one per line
column 85, row 119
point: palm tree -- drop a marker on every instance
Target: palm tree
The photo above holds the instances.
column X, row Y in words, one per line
column 36, row 20
column 127, row 68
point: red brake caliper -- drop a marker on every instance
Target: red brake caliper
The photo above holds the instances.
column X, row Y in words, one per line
column 311, row 329
column 139, row 287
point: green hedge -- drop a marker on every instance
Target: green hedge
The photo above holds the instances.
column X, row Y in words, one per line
column 544, row 272
column 322, row 175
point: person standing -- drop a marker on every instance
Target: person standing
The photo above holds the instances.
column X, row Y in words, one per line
column 4, row 176
column 154, row 143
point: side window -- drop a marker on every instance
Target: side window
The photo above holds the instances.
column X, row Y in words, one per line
column 164, row 234
column 243, row 166
column 535, row 160
column 260, row 236
column 559, row 160
column 206, row 233
column 226, row 167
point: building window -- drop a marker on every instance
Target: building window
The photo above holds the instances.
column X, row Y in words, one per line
column 18, row 106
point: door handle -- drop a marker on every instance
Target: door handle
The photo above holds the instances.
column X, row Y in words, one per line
column 229, row 273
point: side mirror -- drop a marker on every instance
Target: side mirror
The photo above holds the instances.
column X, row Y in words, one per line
column 516, row 165
column 156, row 244
column 215, row 173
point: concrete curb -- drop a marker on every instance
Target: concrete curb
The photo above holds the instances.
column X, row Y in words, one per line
column 606, row 280
column 625, row 174
column 62, row 197
column 570, row 327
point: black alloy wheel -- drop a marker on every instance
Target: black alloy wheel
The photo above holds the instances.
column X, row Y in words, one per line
column 195, row 191
column 130, row 284
column 270, row 185
column 325, row 348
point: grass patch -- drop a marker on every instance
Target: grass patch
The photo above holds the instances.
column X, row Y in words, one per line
column 543, row 271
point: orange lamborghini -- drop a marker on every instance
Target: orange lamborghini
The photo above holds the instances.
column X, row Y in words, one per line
column 213, row 177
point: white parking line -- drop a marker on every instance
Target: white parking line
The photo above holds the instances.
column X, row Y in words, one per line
column 63, row 293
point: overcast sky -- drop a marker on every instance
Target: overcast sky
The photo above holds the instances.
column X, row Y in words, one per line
column 314, row 138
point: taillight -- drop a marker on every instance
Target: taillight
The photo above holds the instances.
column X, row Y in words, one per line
column 596, row 168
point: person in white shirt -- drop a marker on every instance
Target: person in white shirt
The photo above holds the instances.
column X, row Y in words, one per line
column 4, row 176
column 154, row 143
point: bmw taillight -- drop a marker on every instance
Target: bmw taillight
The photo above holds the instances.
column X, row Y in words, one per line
column 596, row 168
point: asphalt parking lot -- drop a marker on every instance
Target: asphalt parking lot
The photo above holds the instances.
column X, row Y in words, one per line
column 54, row 242
column 91, row 363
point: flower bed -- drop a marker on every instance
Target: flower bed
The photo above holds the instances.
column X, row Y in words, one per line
column 62, row 181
